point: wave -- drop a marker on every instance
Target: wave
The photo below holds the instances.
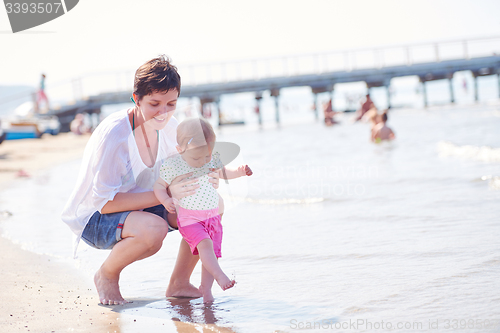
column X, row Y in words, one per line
column 484, row 153
column 283, row 201
column 493, row 181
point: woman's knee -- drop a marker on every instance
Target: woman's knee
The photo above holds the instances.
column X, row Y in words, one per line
column 172, row 220
column 155, row 230
column 150, row 229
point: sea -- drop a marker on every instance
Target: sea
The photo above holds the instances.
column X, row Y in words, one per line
column 332, row 232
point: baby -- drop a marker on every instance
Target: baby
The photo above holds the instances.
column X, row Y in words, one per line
column 198, row 215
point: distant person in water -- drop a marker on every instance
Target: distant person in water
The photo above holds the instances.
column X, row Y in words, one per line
column 374, row 119
column 329, row 113
column 41, row 96
column 367, row 105
column 382, row 132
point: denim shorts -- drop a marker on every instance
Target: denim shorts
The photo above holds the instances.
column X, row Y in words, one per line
column 103, row 231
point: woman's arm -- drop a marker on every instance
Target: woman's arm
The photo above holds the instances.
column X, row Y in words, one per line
column 123, row 202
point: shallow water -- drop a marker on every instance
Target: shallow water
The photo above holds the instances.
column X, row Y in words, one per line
column 331, row 230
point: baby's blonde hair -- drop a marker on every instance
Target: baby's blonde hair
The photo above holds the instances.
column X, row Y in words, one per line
column 195, row 132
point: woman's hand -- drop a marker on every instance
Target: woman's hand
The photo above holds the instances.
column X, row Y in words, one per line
column 182, row 187
column 213, row 177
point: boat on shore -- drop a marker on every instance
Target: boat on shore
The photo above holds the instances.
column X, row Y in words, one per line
column 3, row 135
column 25, row 123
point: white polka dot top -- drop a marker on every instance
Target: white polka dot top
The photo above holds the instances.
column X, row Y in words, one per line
column 206, row 196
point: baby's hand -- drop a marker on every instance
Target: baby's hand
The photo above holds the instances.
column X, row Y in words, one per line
column 245, row 170
column 248, row 171
column 169, row 205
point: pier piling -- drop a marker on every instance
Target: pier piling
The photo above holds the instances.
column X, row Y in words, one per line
column 276, row 93
column 316, row 106
column 203, row 101
column 498, row 83
column 258, row 98
column 217, row 107
column 452, row 94
column 424, row 92
column 317, row 90
column 388, row 89
column 476, row 91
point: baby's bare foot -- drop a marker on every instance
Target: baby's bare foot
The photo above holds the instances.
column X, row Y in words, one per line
column 229, row 285
column 225, row 283
column 108, row 289
column 207, row 294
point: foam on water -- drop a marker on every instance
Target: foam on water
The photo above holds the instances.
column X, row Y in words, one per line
column 484, row 153
column 493, row 181
column 305, row 201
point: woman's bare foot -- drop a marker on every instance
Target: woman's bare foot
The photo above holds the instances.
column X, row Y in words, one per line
column 108, row 289
column 182, row 290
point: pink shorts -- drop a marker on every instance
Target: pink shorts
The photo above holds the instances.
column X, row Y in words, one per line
column 195, row 232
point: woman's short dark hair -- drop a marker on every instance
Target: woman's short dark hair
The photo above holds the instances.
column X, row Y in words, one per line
column 156, row 75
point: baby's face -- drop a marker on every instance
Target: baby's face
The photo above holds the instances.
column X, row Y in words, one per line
column 198, row 157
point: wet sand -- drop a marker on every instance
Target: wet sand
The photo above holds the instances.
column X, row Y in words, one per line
column 34, row 155
column 38, row 293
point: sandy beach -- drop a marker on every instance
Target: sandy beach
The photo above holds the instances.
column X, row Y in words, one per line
column 38, row 293
column 33, row 155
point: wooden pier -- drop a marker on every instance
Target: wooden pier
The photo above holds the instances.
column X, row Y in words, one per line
column 320, row 72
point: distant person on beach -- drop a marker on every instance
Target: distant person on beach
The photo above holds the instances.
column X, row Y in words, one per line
column 41, row 96
column 113, row 205
column 199, row 215
column 77, row 125
column 367, row 105
column 329, row 113
column 382, row 132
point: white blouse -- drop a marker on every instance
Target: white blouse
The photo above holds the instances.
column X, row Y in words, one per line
column 111, row 164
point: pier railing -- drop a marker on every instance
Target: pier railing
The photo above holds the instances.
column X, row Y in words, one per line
column 91, row 84
column 338, row 61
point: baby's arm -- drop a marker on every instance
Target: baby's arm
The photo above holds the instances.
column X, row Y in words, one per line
column 160, row 189
column 232, row 173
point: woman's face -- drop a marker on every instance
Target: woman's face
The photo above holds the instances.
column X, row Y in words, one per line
column 157, row 109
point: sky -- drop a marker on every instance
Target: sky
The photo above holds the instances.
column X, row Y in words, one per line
column 116, row 35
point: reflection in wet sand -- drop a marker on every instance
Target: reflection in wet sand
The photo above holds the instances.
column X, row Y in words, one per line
column 193, row 316
column 185, row 314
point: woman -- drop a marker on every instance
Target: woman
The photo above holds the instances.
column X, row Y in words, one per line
column 113, row 205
